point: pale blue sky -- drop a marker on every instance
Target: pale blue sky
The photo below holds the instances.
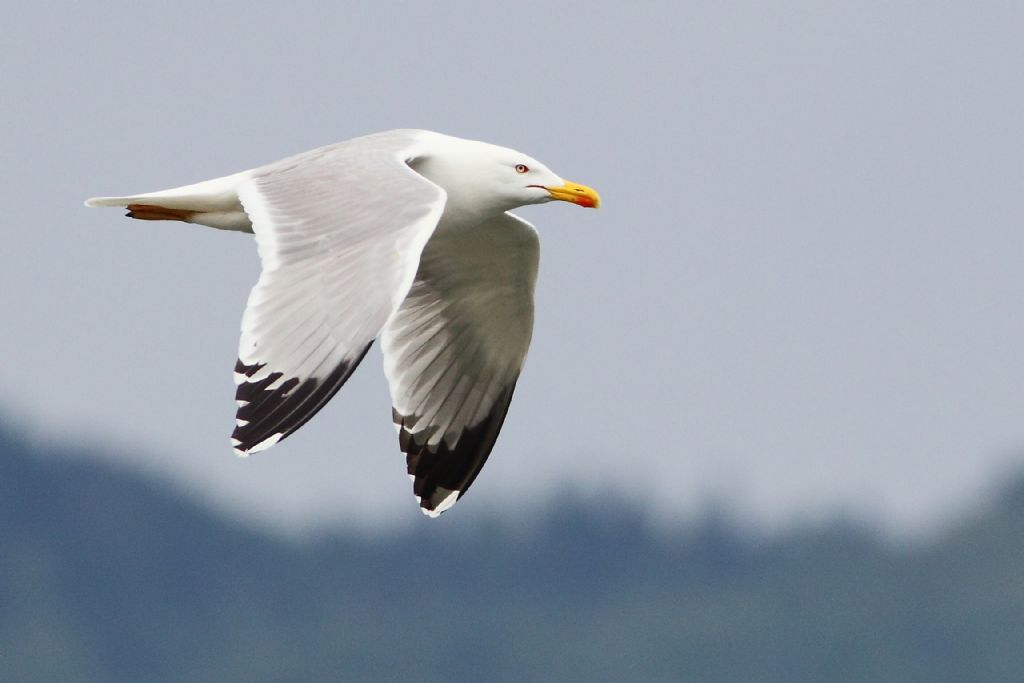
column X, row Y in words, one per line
column 802, row 295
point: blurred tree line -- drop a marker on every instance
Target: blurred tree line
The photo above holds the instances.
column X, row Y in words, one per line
column 106, row 576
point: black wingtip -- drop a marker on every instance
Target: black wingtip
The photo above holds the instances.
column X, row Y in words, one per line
column 439, row 471
column 270, row 410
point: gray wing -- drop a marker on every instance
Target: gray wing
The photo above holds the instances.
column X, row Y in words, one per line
column 454, row 349
column 339, row 231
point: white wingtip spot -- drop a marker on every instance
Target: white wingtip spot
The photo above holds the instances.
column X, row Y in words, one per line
column 235, row 443
column 266, row 443
column 446, row 502
column 240, row 423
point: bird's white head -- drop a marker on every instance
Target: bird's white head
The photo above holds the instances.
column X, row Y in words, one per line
column 477, row 173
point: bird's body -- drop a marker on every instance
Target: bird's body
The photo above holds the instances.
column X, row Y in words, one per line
column 403, row 235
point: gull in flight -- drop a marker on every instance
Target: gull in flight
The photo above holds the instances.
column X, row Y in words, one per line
column 404, row 235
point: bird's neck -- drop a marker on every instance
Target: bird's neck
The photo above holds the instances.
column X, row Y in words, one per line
column 468, row 214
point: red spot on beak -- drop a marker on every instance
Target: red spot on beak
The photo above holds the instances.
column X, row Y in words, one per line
column 584, row 200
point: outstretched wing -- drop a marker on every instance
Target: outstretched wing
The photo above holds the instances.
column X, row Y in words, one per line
column 454, row 349
column 339, row 231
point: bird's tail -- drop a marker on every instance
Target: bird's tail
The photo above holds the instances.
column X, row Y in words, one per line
column 213, row 203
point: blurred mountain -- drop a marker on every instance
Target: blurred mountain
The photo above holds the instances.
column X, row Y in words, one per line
column 108, row 577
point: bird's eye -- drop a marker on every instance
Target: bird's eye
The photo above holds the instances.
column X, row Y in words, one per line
column 522, row 168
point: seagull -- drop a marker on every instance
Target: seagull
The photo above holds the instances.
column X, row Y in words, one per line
column 405, row 236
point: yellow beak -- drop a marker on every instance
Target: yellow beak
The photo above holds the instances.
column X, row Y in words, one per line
column 577, row 194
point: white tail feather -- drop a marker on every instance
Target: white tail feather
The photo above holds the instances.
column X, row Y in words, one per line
column 219, row 194
column 211, row 202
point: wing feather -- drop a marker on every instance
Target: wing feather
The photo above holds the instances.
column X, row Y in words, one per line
column 454, row 349
column 339, row 232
